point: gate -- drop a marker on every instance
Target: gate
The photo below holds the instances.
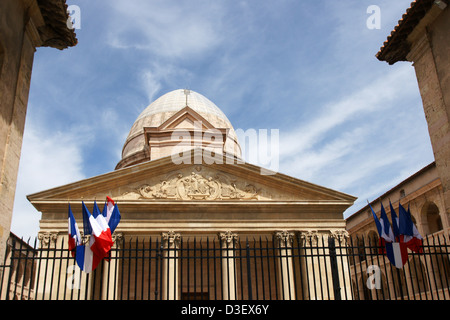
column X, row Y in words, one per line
column 203, row 268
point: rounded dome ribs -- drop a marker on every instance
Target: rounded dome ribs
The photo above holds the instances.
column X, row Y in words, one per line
column 145, row 141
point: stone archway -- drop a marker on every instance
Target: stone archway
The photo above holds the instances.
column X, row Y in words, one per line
column 431, row 218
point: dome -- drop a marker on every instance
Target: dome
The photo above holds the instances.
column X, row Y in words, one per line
column 135, row 149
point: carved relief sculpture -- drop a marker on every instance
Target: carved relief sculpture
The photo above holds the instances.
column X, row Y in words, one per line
column 196, row 186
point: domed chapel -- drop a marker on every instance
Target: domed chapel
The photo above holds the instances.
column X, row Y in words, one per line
column 182, row 183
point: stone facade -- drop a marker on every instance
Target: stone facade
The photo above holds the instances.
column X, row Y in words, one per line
column 24, row 26
column 214, row 195
column 422, row 37
column 422, row 192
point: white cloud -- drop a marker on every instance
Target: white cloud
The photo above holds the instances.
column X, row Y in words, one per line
column 48, row 160
column 376, row 96
column 166, row 28
column 347, row 146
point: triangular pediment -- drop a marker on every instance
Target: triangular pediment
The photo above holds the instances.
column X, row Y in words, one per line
column 164, row 181
column 186, row 118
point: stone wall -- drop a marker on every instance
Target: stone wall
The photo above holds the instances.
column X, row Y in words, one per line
column 16, row 42
column 430, row 54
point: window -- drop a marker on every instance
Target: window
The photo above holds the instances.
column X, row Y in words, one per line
column 432, row 218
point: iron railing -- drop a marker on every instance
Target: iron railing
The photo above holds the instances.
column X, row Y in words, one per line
column 259, row 268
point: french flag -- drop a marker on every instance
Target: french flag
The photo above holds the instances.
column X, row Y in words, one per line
column 111, row 214
column 387, row 232
column 101, row 232
column 397, row 253
column 85, row 257
column 74, row 234
column 408, row 231
column 88, row 256
column 83, row 254
column 395, row 222
column 98, row 227
column 383, row 227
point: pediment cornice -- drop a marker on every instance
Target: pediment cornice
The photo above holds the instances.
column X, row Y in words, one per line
column 161, row 182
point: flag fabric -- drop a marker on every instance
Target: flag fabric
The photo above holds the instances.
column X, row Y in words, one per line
column 87, row 256
column 408, row 231
column 388, row 234
column 111, row 214
column 90, row 254
column 402, row 236
column 74, row 233
column 108, row 208
column 397, row 253
column 383, row 226
column 417, row 243
column 86, row 259
column 395, row 222
column 101, row 232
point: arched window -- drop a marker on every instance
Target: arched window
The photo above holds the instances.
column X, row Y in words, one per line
column 431, row 218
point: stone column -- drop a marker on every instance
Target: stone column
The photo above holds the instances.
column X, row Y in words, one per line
column 171, row 244
column 286, row 284
column 110, row 276
column 44, row 267
column 15, row 85
column 310, row 268
column 429, row 53
column 228, row 242
column 345, row 282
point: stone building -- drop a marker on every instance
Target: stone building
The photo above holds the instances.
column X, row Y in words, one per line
column 24, row 26
column 20, row 257
column 422, row 37
column 181, row 175
column 424, row 276
column 422, row 193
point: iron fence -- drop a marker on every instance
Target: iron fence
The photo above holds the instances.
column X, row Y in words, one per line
column 202, row 268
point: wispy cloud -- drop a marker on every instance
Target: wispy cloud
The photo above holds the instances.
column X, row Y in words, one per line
column 305, row 68
column 375, row 97
column 166, row 28
column 359, row 144
column 48, row 160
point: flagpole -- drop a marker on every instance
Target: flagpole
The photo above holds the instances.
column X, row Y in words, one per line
column 400, row 284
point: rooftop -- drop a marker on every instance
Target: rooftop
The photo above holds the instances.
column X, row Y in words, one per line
column 396, row 47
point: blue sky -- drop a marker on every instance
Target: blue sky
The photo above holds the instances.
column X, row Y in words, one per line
column 307, row 68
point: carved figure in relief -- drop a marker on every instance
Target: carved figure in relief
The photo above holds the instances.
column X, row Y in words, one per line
column 196, row 186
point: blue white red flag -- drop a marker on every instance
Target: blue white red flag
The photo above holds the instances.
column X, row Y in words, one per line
column 89, row 255
column 74, row 233
column 86, row 257
column 111, row 214
column 383, row 226
column 101, row 232
column 387, row 233
column 397, row 253
column 395, row 222
column 408, row 231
